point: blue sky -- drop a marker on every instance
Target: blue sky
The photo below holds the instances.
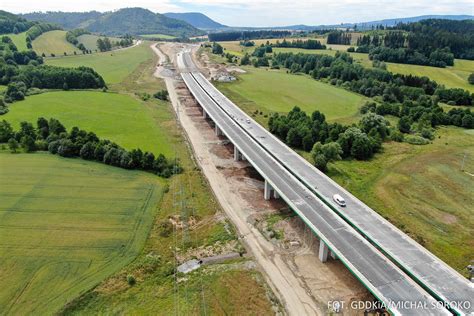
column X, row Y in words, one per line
column 263, row 12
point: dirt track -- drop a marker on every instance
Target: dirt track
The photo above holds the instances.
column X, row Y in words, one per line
column 302, row 283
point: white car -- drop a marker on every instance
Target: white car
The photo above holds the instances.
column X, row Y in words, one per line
column 339, row 200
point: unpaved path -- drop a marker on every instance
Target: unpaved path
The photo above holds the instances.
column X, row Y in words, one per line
column 302, row 283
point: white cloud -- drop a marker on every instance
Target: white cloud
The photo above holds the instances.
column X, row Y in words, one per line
column 263, row 12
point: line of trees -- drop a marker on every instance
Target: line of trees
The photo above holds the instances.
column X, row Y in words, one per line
column 105, row 44
column 246, row 35
column 72, row 35
column 47, row 77
column 340, row 70
column 339, row 37
column 52, row 136
column 304, row 44
column 40, row 28
column 440, row 57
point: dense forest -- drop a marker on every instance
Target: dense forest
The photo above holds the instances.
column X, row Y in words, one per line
column 341, row 70
column 134, row 21
column 10, row 23
column 413, row 99
column 137, row 21
column 52, row 136
column 333, row 141
column 339, row 37
column 68, row 20
column 304, row 44
column 246, row 35
column 429, row 35
column 429, row 42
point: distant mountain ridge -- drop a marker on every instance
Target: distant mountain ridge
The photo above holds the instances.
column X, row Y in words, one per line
column 68, row 20
column 133, row 21
column 368, row 25
column 196, row 19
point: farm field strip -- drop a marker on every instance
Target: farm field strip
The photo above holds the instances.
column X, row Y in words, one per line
column 117, row 117
column 90, row 40
column 68, row 248
column 53, row 42
column 276, row 91
column 113, row 66
column 19, row 40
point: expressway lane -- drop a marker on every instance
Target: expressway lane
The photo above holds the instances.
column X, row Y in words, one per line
column 440, row 280
column 386, row 281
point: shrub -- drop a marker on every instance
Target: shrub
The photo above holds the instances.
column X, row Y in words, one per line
column 396, row 136
column 427, row 133
column 13, row 145
column 471, row 78
column 28, row 143
column 416, row 140
column 131, row 280
column 161, row 95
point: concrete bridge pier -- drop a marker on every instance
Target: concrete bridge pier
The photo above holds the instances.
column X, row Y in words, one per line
column 204, row 114
column 218, row 131
column 323, row 251
column 237, row 154
column 267, row 191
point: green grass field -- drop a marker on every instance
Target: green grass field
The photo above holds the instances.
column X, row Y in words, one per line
column 120, row 118
column 90, row 40
column 422, row 190
column 65, row 225
column 53, row 42
column 19, row 40
column 150, row 125
column 162, row 36
column 452, row 77
column 113, row 66
column 276, row 91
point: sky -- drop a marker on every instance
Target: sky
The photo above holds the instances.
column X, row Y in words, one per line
column 262, row 12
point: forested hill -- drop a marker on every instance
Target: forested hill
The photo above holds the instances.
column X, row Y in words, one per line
column 68, row 20
column 10, row 23
column 197, row 19
column 432, row 42
column 133, row 21
column 140, row 21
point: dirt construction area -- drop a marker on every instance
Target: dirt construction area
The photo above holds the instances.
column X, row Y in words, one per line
column 285, row 249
